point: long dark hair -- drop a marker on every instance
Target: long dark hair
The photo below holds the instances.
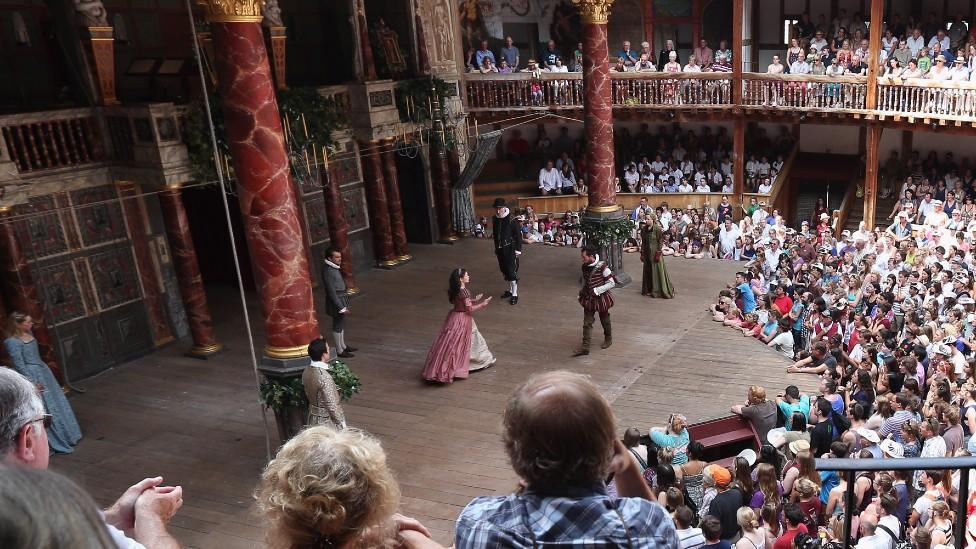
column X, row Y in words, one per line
column 454, row 284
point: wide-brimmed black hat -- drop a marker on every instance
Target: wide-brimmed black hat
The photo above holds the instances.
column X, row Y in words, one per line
column 499, row 203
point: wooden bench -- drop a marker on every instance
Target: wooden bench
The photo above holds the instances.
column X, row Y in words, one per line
column 724, row 438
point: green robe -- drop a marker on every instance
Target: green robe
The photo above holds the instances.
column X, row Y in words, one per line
column 656, row 282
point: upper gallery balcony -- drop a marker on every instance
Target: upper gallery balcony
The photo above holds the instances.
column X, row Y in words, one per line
column 912, row 100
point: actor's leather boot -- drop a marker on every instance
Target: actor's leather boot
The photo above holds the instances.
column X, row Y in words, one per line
column 345, row 354
column 514, row 300
column 607, row 334
column 584, row 348
column 351, row 349
column 507, row 294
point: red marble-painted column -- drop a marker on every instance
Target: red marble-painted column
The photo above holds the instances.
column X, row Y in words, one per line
column 268, row 203
column 379, row 207
column 597, row 106
column 19, row 292
column 155, row 306
column 366, row 50
column 393, row 200
column 335, row 213
column 184, row 256
column 440, row 172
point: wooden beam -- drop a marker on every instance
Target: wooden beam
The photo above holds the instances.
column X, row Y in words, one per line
column 696, row 24
column 871, row 172
column 738, row 7
column 874, row 52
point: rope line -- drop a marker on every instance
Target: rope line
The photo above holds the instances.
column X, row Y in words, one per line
column 230, row 229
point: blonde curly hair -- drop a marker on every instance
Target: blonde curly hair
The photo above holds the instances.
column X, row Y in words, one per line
column 326, row 488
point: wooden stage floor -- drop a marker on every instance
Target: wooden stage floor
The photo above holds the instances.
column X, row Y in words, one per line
column 198, row 424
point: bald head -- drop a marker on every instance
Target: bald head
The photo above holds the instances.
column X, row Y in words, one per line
column 559, row 432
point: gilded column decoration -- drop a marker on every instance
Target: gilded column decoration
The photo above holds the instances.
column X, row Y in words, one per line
column 92, row 17
column 188, row 274
column 19, row 291
column 277, row 37
column 379, row 207
column 594, row 11
column 153, row 294
column 269, row 206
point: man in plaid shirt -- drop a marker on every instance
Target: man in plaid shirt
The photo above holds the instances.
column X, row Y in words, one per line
column 560, row 438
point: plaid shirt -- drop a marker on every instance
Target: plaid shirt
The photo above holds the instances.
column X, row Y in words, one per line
column 584, row 518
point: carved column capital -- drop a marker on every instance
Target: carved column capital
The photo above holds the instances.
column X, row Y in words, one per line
column 232, row 11
column 594, row 11
column 272, row 14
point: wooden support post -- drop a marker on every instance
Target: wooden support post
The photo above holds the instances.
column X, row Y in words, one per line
column 874, row 52
column 871, row 174
column 906, row 147
column 696, row 17
column 737, row 7
column 739, row 158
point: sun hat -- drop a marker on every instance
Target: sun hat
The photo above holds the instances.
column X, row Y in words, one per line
column 870, row 435
column 800, row 445
column 893, row 449
column 749, row 455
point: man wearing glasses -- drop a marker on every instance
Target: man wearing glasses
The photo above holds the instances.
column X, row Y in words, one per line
column 144, row 509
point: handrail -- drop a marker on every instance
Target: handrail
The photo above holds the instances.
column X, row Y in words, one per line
column 852, row 466
column 842, row 213
column 848, row 79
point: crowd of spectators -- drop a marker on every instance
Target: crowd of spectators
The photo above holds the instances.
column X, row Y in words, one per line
column 933, row 49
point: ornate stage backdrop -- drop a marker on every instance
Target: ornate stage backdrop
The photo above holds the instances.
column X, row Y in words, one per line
column 83, row 266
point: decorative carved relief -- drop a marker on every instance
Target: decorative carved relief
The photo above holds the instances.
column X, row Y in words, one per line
column 61, row 292
column 40, row 228
column 315, row 219
column 115, row 276
column 354, row 201
column 345, row 170
column 101, row 221
column 272, row 14
column 382, row 98
column 91, row 13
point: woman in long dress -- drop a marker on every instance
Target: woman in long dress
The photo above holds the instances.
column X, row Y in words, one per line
column 656, row 282
column 64, row 431
column 459, row 347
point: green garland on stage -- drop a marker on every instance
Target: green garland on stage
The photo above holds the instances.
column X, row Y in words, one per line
column 281, row 394
column 606, row 232
column 322, row 117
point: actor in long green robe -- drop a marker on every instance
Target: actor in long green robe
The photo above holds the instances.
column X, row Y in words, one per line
column 656, row 282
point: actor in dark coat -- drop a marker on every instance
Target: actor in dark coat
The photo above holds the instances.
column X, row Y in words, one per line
column 507, row 234
column 336, row 300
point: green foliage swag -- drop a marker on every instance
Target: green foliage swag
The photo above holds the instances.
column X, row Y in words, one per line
column 279, row 394
column 322, row 117
column 423, row 93
column 604, row 233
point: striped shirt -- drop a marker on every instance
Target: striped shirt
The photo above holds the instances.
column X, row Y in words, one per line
column 892, row 425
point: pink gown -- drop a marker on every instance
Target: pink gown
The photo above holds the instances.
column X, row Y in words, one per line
column 459, row 348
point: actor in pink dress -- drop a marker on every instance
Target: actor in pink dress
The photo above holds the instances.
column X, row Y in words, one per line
column 459, row 347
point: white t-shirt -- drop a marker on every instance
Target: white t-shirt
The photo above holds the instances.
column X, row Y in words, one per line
column 783, row 343
column 690, row 538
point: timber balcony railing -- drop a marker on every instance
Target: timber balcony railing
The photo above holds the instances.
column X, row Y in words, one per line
column 916, row 97
column 52, row 139
column 501, row 92
column 804, row 92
